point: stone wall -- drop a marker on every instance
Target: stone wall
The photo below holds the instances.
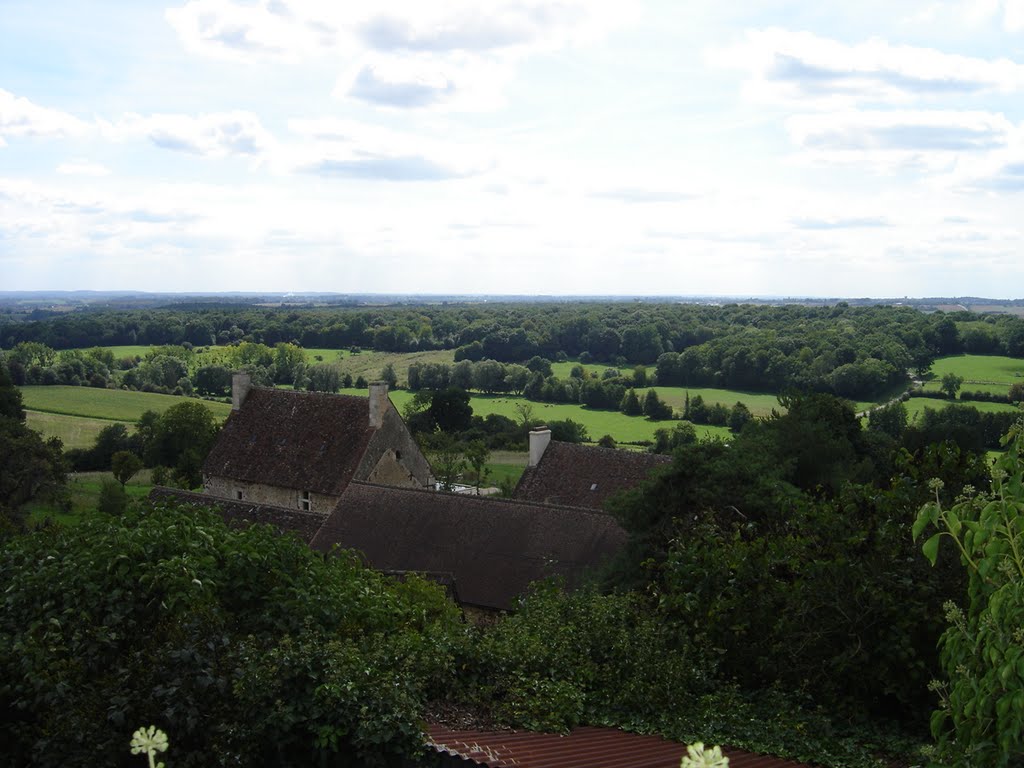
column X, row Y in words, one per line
column 392, row 457
column 257, row 493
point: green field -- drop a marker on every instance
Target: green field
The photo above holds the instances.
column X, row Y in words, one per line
column 625, row 429
column 985, row 373
column 114, row 404
column 759, row 403
column 85, row 493
column 369, row 364
column 916, row 406
column 73, row 431
column 134, row 350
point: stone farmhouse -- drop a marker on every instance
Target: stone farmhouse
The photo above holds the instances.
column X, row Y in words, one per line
column 344, row 471
column 300, row 450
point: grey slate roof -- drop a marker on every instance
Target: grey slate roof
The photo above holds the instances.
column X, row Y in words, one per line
column 306, row 440
column 583, row 475
column 493, row 548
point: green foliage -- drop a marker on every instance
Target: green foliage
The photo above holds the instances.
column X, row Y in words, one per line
column 568, row 431
column 32, row 469
column 981, row 716
column 951, row 384
column 655, row 408
column 564, row 660
column 247, row 646
column 890, row 419
column 125, row 465
column 113, row 498
column 181, row 438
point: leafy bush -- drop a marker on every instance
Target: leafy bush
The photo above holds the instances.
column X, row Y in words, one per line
column 981, row 717
column 247, row 646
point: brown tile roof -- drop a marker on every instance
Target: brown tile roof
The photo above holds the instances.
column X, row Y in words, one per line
column 493, row 547
column 243, row 513
column 584, row 475
column 582, row 748
column 309, row 441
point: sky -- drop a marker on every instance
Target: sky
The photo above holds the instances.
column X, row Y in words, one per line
column 551, row 147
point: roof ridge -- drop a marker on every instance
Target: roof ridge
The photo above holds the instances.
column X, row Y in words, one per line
column 310, row 393
column 492, row 499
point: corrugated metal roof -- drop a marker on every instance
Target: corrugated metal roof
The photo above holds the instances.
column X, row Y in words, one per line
column 582, row 748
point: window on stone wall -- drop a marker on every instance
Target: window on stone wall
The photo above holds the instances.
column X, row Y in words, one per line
column 238, row 495
column 398, row 455
column 305, row 503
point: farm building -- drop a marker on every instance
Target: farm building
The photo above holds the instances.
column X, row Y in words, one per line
column 580, row 475
column 489, row 549
column 300, row 450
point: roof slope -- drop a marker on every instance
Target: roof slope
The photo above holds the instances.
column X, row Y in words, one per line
column 582, row 748
column 243, row 513
column 494, row 548
column 584, row 475
column 309, row 441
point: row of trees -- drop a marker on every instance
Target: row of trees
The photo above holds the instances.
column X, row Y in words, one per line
column 851, row 351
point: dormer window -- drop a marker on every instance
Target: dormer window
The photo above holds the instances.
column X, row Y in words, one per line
column 305, row 504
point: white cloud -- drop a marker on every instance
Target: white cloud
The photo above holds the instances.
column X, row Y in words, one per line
column 409, row 54
column 337, row 148
column 457, row 81
column 893, row 140
column 217, row 134
column 20, row 117
column 1013, row 18
column 800, row 67
column 83, row 168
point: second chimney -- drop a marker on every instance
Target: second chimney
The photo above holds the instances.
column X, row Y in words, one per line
column 539, row 439
column 378, row 403
column 241, row 383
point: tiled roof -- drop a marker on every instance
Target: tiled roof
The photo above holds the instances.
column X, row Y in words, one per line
column 582, row 748
column 494, row 548
column 305, row 440
column 583, row 475
column 305, row 524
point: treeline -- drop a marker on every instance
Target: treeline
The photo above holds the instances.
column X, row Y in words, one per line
column 850, row 351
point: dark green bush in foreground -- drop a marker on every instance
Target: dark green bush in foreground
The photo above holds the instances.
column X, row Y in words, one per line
column 247, row 647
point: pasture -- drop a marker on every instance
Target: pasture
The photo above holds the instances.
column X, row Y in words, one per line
column 112, row 404
column 85, row 495
column 916, row 406
column 985, row 373
column 73, row 431
column 625, row 429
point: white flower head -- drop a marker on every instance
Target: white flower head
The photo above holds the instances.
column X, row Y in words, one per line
column 698, row 757
column 149, row 741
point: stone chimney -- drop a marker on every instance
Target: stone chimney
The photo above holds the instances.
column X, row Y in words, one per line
column 378, row 403
column 539, row 439
column 241, row 383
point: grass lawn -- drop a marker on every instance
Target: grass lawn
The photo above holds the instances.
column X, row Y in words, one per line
column 987, row 373
column 73, row 431
column 85, row 493
column 114, row 404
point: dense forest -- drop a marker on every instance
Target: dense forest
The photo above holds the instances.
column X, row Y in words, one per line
column 856, row 352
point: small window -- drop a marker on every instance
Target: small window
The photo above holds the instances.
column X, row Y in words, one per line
column 305, row 503
column 238, row 495
column 398, row 455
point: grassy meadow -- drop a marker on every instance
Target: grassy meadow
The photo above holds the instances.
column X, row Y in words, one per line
column 985, row 373
column 916, row 406
column 73, row 431
column 85, row 494
column 112, row 404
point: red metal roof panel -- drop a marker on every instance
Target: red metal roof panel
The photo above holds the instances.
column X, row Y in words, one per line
column 582, row 748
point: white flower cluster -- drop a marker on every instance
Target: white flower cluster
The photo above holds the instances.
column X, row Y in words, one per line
column 698, row 757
